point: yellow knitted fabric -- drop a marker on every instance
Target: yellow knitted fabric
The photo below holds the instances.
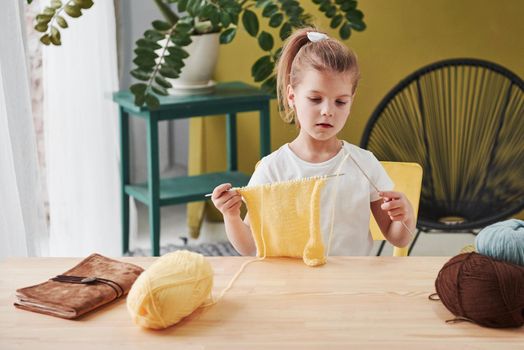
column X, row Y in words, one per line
column 170, row 289
column 285, row 219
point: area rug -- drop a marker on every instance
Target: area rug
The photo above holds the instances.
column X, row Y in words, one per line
column 207, row 249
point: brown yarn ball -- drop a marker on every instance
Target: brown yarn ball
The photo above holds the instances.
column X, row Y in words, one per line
column 483, row 290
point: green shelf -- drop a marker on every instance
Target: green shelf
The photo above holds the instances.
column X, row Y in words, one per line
column 185, row 189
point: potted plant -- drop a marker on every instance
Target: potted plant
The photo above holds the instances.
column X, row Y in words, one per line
column 158, row 59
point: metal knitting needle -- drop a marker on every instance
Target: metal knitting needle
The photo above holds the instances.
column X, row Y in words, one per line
column 236, row 188
column 376, row 189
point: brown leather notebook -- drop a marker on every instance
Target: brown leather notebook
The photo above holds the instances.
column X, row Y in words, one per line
column 95, row 281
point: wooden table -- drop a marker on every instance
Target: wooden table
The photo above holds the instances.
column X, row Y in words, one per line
column 364, row 302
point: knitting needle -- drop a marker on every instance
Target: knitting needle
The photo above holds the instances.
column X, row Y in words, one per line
column 376, row 189
column 236, row 188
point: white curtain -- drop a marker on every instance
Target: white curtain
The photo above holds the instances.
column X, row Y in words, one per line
column 23, row 230
column 81, row 133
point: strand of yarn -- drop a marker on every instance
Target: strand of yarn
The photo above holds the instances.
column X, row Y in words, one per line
column 503, row 241
column 243, row 266
column 334, row 196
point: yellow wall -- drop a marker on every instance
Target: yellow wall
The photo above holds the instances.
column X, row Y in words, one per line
column 401, row 36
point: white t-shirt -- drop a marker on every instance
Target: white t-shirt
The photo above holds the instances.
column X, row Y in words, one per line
column 351, row 234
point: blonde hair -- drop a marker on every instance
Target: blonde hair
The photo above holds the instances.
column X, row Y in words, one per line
column 299, row 52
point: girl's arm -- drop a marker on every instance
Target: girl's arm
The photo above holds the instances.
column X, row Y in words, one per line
column 389, row 212
column 238, row 231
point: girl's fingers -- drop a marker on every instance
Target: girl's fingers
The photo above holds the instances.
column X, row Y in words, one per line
column 220, row 190
column 224, row 199
column 231, row 201
column 390, row 205
column 236, row 205
column 398, row 217
column 390, row 195
column 396, row 212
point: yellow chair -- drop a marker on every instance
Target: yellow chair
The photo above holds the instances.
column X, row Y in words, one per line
column 408, row 179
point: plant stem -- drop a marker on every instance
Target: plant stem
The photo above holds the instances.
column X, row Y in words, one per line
column 166, row 11
column 161, row 59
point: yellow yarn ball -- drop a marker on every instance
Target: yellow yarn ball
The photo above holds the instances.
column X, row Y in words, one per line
column 170, row 289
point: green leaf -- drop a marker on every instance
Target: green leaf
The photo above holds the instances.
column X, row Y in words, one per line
column 195, row 7
column 43, row 18
column 277, row 53
column 61, row 21
column 49, row 11
column 270, row 85
column 207, row 11
column 138, row 89
column 140, row 74
column 276, row 20
column 45, row 39
column 181, row 39
column 262, row 3
column 262, row 68
column 285, row 31
column 335, row 21
column 41, row 27
column 183, row 28
column 225, row 19
column 354, row 15
column 159, row 90
column 174, row 62
column 140, row 99
column 177, row 52
column 146, row 43
column 269, row 10
column 346, row 5
column 142, row 51
column 264, row 60
column 55, row 36
column 85, row 4
column 345, row 31
column 161, row 26
column 250, row 22
column 160, row 80
column 228, row 35
column 182, row 4
column 152, row 101
column 331, row 11
column 168, row 72
column 56, row 4
column 153, row 35
column 358, row 26
column 144, row 62
column 265, row 41
column 72, row 10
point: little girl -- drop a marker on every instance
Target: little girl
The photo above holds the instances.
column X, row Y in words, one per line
column 317, row 77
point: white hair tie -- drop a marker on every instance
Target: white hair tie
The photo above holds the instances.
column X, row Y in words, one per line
column 316, row 36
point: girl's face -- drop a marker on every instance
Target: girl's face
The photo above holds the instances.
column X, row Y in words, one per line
column 322, row 102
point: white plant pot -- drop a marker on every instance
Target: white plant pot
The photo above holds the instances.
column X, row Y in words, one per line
column 195, row 77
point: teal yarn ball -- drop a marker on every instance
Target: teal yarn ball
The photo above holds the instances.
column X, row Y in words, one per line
column 503, row 241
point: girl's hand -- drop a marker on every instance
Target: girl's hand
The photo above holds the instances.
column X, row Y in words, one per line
column 397, row 206
column 228, row 202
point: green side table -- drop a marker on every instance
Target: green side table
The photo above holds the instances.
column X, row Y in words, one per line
column 229, row 98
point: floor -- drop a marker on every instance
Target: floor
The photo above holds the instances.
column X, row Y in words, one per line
column 173, row 231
